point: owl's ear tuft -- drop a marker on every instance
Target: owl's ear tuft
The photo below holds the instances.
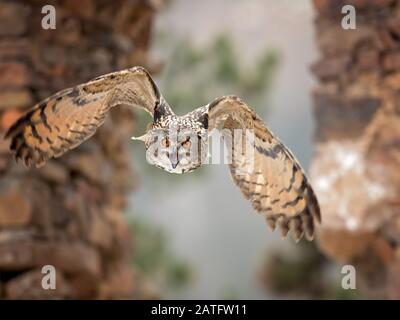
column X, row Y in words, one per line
column 203, row 119
column 162, row 109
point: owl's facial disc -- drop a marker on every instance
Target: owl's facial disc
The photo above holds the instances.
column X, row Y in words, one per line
column 176, row 151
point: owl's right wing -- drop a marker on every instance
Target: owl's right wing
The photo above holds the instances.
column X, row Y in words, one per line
column 69, row 117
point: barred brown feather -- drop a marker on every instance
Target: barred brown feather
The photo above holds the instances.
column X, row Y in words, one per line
column 275, row 183
column 69, row 117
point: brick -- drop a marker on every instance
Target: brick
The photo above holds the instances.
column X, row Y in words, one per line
column 12, row 49
column 8, row 118
column 70, row 257
column 341, row 117
column 15, row 99
column 15, row 206
column 328, row 69
column 29, row 286
column 391, row 61
column 16, row 255
column 13, row 74
column 13, row 18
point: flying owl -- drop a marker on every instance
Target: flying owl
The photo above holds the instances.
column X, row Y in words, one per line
column 273, row 180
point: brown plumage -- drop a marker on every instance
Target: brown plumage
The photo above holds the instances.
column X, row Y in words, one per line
column 69, row 117
column 274, row 181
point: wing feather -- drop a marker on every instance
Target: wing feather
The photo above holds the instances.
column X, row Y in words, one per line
column 69, row 117
column 274, row 181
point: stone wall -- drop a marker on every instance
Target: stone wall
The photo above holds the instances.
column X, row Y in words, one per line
column 69, row 213
column 356, row 169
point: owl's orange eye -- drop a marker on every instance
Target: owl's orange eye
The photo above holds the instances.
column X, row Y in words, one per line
column 165, row 142
column 186, row 144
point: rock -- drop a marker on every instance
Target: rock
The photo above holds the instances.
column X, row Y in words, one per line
column 15, row 207
column 72, row 33
column 341, row 117
column 20, row 235
column 391, row 61
column 394, row 281
column 15, row 99
column 343, row 166
column 384, row 154
column 54, row 172
column 368, row 59
column 355, row 171
column 84, row 287
column 14, row 49
column 334, row 7
column 91, row 166
column 16, row 256
column 85, row 10
column 7, row 119
column 328, row 69
column 392, row 81
column 343, row 245
column 119, row 284
column 13, row 75
column 29, row 286
column 13, row 18
column 60, row 214
column 349, row 39
column 394, row 23
column 64, row 256
column 100, row 231
column 5, row 147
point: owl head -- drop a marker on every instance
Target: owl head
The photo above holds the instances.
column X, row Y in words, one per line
column 179, row 147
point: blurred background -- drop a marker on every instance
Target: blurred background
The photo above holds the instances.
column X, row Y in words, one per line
column 116, row 227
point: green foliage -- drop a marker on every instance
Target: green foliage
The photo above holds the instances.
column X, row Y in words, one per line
column 227, row 70
column 262, row 76
column 229, row 292
column 154, row 258
column 193, row 77
column 297, row 271
column 303, row 273
column 339, row 293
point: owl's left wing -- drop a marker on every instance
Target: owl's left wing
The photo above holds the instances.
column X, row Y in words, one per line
column 272, row 179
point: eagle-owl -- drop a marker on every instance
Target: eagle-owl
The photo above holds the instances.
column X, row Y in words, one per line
column 274, row 181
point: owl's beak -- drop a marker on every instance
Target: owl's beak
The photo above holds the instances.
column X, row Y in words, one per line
column 174, row 165
column 174, row 158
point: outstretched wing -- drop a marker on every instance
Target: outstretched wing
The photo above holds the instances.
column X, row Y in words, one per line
column 69, row 117
column 272, row 179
